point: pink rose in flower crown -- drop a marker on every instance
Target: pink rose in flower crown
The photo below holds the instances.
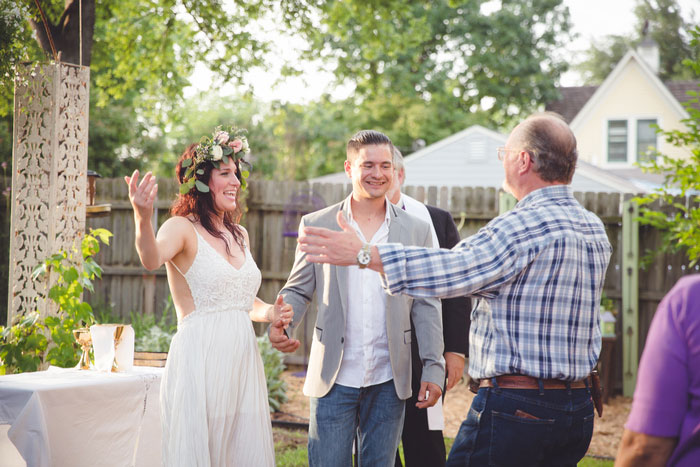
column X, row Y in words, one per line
column 221, row 137
column 236, row 145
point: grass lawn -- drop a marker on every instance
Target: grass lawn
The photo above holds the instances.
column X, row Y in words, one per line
column 290, row 450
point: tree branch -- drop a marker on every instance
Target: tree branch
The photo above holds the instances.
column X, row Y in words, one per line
column 44, row 34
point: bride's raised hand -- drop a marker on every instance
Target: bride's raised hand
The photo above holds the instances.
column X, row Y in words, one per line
column 142, row 195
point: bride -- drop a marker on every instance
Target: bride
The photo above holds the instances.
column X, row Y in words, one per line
column 214, row 407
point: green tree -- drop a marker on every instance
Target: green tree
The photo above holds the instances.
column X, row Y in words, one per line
column 681, row 229
column 288, row 141
column 465, row 55
column 150, row 47
column 664, row 24
column 307, row 140
column 141, row 55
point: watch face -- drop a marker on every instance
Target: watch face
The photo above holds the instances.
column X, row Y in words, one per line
column 363, row 257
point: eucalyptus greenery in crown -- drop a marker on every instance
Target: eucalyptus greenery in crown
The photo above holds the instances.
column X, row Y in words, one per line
column 220, row 147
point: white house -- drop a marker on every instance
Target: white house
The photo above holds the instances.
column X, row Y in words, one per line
column 469, row 158
column 614, row 123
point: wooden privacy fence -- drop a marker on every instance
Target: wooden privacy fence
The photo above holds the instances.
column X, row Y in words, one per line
column 273, row 212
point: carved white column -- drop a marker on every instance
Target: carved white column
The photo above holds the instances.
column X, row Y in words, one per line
column 49, row 174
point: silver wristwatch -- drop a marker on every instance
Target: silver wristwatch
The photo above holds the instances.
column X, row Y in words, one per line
column 364, row 256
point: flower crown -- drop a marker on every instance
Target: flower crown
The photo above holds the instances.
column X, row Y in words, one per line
column 220, row 147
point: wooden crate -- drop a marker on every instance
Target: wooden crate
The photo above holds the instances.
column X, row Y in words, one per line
column 156, row 359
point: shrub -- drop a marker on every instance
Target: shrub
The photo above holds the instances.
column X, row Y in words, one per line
column 23, row 346
column 153, row 335
column 274, row 366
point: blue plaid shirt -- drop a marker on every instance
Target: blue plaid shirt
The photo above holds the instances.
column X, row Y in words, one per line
column 539, row 272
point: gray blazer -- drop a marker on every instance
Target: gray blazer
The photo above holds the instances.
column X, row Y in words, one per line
column 329, row 283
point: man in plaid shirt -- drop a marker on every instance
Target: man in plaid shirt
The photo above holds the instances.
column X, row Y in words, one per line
column 537, row 272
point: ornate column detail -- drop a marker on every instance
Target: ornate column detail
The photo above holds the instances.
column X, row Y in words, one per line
column 49, row 178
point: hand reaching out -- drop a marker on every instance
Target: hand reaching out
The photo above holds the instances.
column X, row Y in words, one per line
column 142, row 195
column 276, row 333
column 331, row 246
column 281, row 311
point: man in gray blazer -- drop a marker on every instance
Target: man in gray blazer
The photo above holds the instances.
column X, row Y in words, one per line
column 359, row 372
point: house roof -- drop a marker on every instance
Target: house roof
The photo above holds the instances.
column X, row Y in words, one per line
column 680, row 89
column 468, row 158
column 574, row 98
column 474, row 130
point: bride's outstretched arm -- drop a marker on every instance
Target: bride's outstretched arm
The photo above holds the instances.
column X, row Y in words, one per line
column 153, row 253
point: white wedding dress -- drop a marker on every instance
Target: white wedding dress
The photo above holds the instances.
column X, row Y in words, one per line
column 214, row 407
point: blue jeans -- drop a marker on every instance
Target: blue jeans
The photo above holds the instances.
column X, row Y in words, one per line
column 525, row 427
column 374, row 414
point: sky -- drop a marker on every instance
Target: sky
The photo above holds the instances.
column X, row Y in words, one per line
column 590, row 19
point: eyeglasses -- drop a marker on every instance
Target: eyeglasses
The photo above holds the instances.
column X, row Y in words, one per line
column 502, row 151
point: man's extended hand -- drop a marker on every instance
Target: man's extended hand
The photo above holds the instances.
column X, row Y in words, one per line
column 434, row 393
column 454, row 366
column 279, row 339
column 334, row 247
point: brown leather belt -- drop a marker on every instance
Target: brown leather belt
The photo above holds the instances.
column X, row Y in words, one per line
column 528, row 382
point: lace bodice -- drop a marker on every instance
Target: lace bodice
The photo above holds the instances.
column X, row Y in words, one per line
column 218, row 286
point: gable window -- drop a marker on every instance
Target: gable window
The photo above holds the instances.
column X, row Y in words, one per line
column 646, row 137
column 617, row 141
column 630, row 140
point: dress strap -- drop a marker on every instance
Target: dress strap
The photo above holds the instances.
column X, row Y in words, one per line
column 178, row 269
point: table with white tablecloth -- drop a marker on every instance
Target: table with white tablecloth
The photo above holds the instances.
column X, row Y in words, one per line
column 71, row 417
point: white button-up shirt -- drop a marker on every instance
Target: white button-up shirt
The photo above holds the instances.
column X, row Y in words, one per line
column 366, row 359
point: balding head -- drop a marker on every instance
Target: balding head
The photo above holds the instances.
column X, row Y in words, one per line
column 552, row 145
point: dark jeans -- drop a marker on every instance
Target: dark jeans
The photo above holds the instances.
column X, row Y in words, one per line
column 525, row 427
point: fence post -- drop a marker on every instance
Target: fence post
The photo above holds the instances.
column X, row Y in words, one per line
column 630, row 296
column 506, row 202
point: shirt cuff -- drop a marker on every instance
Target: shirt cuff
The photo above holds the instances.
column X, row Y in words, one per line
column 459, row 354
column 393, row 259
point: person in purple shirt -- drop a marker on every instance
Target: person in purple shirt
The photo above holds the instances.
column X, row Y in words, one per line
column 664, row 425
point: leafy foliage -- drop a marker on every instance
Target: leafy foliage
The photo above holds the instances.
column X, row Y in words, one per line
column 74, row 272
column 143, row 54
column 503, row 60
column 150, row 47
column 666, row 27
column 16, row 45
column 274, row 366
column 24, row 345
column 680, row 226
column 153, row 335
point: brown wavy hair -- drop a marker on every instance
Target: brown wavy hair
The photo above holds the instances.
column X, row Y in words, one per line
column 200, row 205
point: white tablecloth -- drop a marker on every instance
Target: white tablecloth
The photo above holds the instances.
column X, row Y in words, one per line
column 70, row 417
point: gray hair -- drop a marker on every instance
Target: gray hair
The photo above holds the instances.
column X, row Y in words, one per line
column 397, row 159
column 551, row 145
